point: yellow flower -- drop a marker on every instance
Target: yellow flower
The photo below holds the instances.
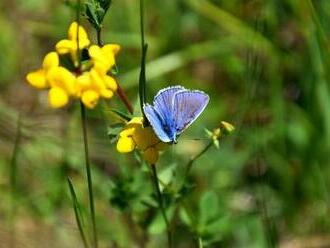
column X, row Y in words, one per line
column 103, row 57
column 91, row 86
column 70, row 45
column 89, row 82
column 62, row 84
column 135, row 136
column 38, row 79
column 227, row 127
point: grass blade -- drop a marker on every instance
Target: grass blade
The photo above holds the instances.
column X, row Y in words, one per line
column 77, row 213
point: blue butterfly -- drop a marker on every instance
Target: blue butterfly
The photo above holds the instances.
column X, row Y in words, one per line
column 174, row 109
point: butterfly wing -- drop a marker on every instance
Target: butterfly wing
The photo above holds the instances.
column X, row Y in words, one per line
column 188, row 105
column 156, row 122
column 163, row 101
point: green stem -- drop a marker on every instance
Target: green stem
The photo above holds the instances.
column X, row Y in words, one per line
column 161, row 204
column 88, row 173
column 142, row 77
column 266, row 221
column 193, row 159
column 84, row 127
column 78, row 24
column 200, row 242
column 98, row 35
column 142, row 22
column 13, row 182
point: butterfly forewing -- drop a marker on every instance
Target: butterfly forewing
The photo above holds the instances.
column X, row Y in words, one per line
column 163, row 101
column 156, row 122
column 187, row 106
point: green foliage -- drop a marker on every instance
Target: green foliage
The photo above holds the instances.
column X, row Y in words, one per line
column 95, row 11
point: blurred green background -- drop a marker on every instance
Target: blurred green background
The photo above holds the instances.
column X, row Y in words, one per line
column 265, row 65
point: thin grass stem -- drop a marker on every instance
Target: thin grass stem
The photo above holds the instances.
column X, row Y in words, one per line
column 13, row 183
column 193, row 160
column 161, row 204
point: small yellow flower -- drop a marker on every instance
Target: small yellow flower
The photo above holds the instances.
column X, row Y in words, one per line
column 62, row 86
column 135, row 136
column 38, row 79
column 224, row 128
column 103, row 57
column 91, row 86
column 227, row 127
column 70, row 45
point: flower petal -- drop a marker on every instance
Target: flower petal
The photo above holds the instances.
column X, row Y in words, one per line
column 151, row 155
column 83, row 82
column 50, row 60
column 110, row 83
column 106, row 93
column 65, row 46
column 72, row 32
column 37, row 79
column 90, row 98
column 57, row 97
column 63, row 78
column 111, row 49
column 125, row 144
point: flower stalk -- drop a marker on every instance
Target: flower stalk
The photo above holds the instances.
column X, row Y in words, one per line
column 121, row 93
column 142, row 77
column 89, row 175
column 84, row 129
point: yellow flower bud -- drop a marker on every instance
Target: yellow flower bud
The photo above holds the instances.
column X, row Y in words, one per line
column 227, row 127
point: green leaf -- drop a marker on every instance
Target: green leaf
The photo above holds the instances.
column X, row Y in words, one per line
column 185, row 217
column 113, row 131
column 121, row 115
column 95, row 11
column 208, row 207
column 77, row 213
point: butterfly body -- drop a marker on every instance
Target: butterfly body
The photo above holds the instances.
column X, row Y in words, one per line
column 174, row 109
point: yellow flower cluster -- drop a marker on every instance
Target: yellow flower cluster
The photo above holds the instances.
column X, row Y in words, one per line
column 89, row 85
column 224, row 128
column 135, row 136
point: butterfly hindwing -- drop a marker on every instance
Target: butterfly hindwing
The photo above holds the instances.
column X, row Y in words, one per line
column 156, row 122
column 187, row 106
